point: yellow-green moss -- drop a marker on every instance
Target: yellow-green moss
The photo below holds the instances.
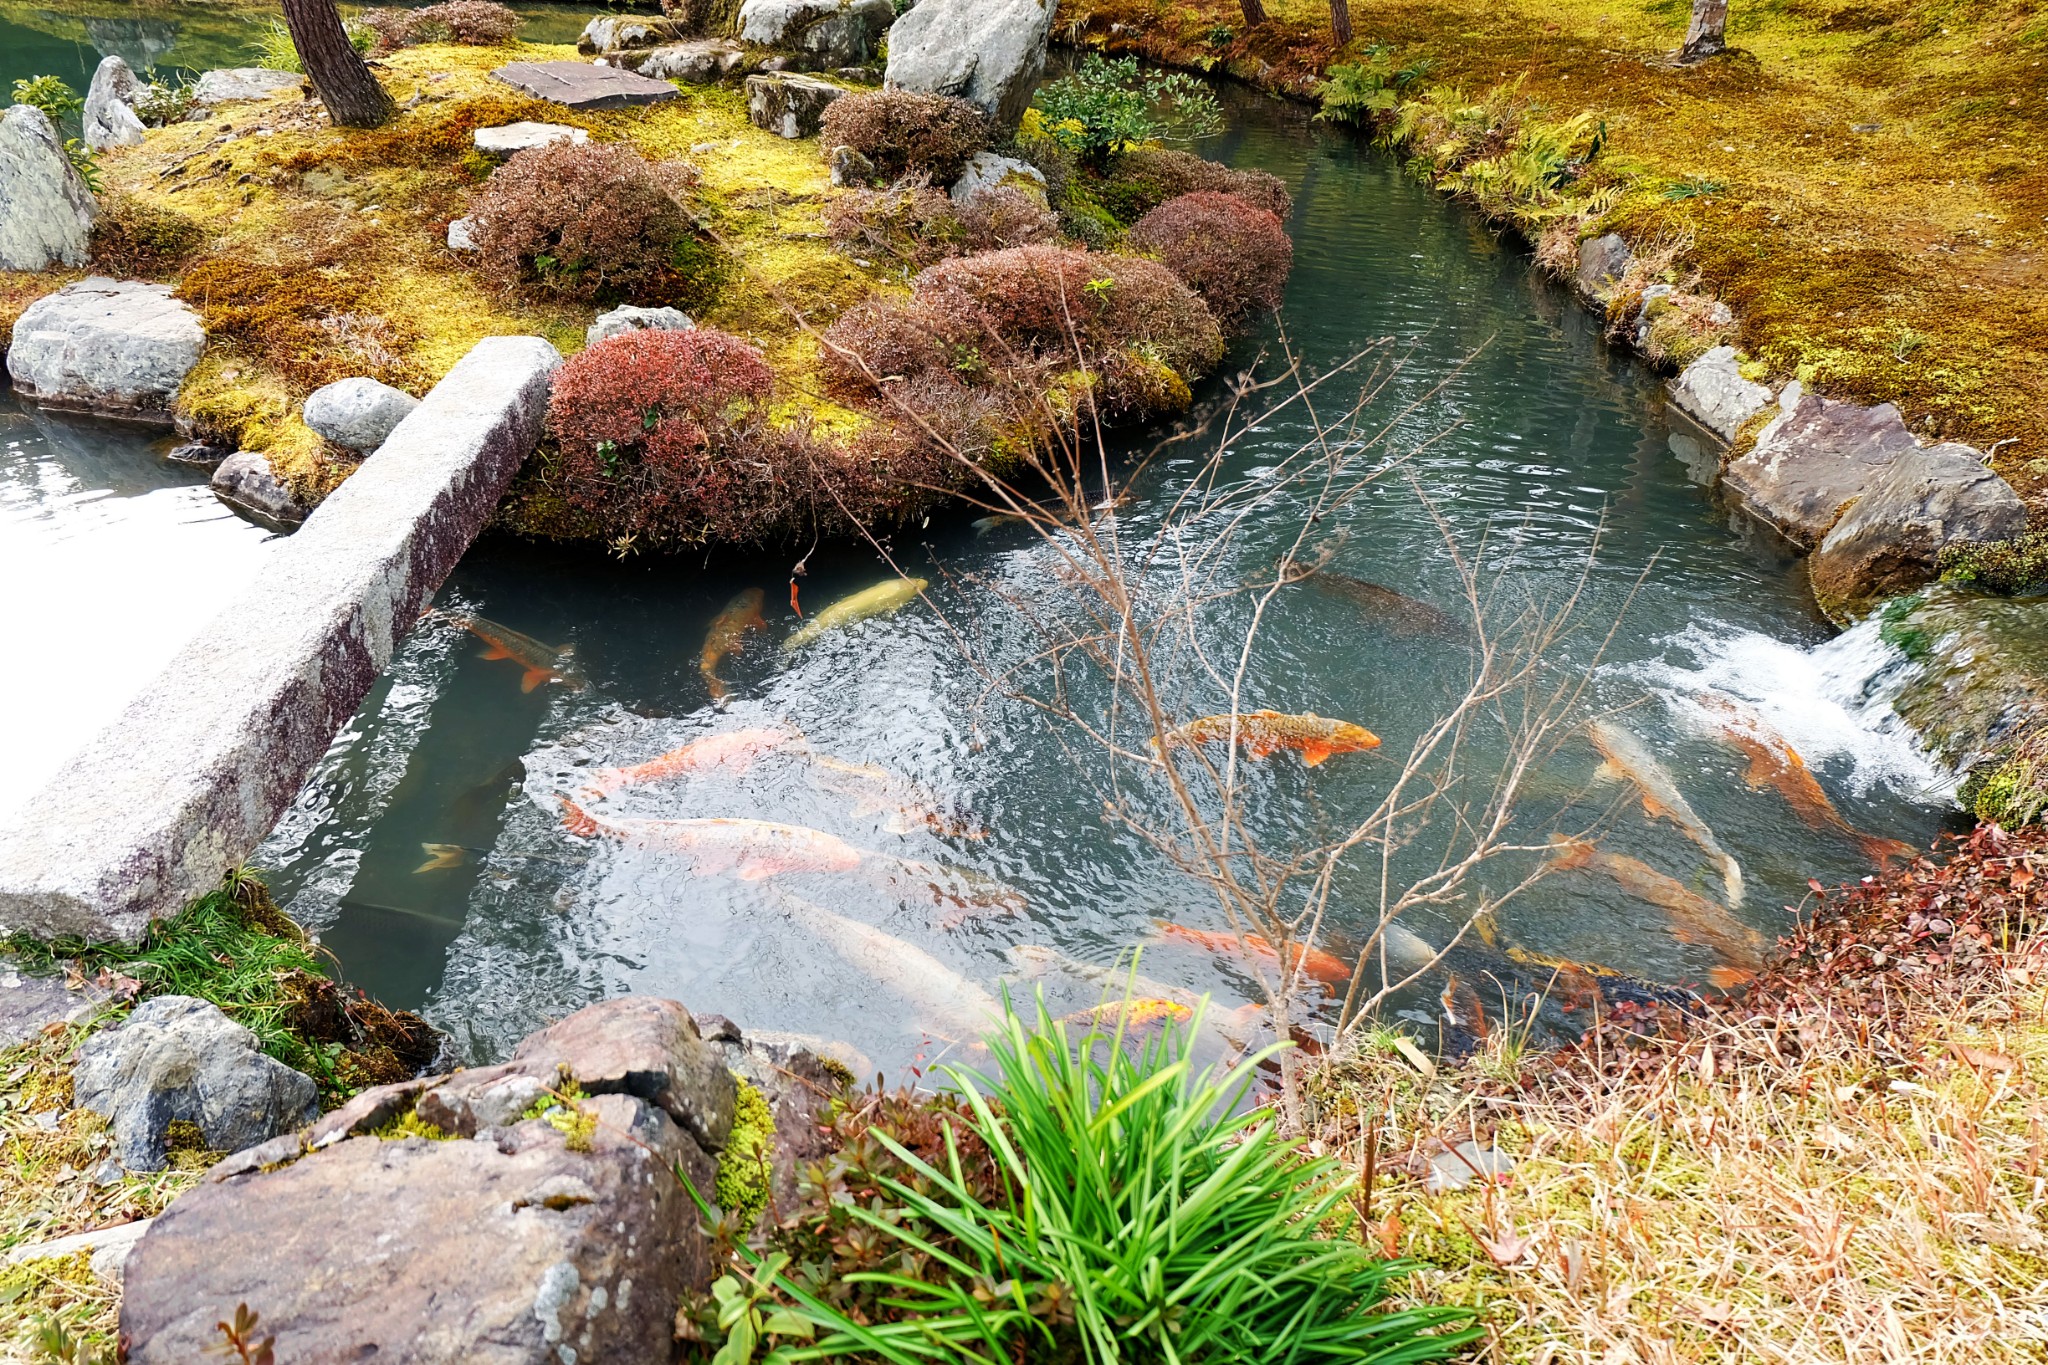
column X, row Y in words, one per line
column 410, row 1124
column 743, row 1169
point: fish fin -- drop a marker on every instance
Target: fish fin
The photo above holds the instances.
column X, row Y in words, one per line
column 532, row 678
column 754, row 870
column 1607, row 772
column 1759, row 775
column 1313, row 753
column 1260, row 748
column 1728, row 978
column 495, row 652
column 577, row 820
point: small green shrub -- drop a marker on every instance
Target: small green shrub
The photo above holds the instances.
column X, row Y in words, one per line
column 1111, row 105
column 160, row 105
column 50, row 94
column 1364, row 94
column 743, row 1173
column 274, row 48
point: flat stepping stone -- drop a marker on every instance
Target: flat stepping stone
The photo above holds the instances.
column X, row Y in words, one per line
column 520, row 137
column 580, row 85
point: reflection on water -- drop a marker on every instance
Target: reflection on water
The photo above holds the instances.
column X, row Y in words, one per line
column 430, row 849
column 112, row 558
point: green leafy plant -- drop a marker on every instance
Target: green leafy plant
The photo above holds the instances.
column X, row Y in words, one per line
column 748, row 1314
column 1362, row 93
column 1110, row 105
column 1107, row 1202
column 49, row 94
column 274, row 48
column 160, row 105
column 1693, row 187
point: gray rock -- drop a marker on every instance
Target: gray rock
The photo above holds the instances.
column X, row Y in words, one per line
column 357, row 413
column 990, row 52
column 1891, row 537
column 118, row 347
column 609, row 33
column 248, row 487
column 791, row 106
column 109, row 1248
column 469, row 1102
column 512, row 1250
column 230, row 84
column 175, row 1058
column 1465, row 1163
column 109, row 118
column 462, row 234
column 647, row 1048
column 1812, row 460
column 198, row 455
column 583, row 86
column 834, row 32
column 1713, row 393
column 701, row 61
column 46, row 212
column 799, row 1085
column 192, row 776
column 849, row 167
column 988, row 171
column 519, row 137
column 1652, row 304
column 631, row 319
column 1602, row 261
column 30, row 1004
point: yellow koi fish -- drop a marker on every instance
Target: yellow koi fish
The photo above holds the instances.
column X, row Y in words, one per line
column 1693, row 918
column 1623, row 756
column 884, row 598
column 728, row 632
column 1262, row 733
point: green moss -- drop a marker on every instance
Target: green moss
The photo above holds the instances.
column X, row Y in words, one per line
column 1895, row 626
column 410, row 1124
column 2012, row 566
column 743, row 1171
column 2012, row 790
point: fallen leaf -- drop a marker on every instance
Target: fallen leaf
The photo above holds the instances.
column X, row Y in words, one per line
column 1414, row 1054
column 1984, row 1059
column 1508, row 1248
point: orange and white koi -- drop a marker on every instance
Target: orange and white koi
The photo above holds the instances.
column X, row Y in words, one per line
column 1693, row 917
column 1262, row 733
column 542, row 663
column 747, row 849
column 904, row 805
column 1624, row 756
column 1774, row 763
column 1315, row 963
column 728, row 632
column 1461, row 1007
column 733, row 752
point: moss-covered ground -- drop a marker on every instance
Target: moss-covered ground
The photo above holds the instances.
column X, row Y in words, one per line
column 1864, row 181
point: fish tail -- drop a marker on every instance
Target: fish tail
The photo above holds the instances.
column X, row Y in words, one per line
column 577, row 820
column 1728, row 978
column 715, row 685
column 1882, row 851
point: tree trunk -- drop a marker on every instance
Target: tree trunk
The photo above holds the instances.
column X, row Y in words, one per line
column 1707, row 35
column 1340, row 21
column 346, row 85
column 1254, row 12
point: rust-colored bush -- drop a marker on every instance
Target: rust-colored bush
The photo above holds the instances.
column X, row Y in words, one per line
column 1142, row 180
column 909, row 223
column 131, row 237
column 902, row 131
column 1005, row 216
column 1234, row 254
column 472, row 23
column 596, row 223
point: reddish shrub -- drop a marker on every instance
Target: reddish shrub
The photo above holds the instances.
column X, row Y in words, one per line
column 472, row 23
column 1142, row 180
column 594, row 223
column 902, row 131
column 1006, row 216
column 909, row 223
column 1234, row 254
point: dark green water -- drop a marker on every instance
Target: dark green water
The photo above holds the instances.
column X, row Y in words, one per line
column 1528, row 427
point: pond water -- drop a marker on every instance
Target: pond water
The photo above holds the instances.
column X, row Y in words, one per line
column 429, row 849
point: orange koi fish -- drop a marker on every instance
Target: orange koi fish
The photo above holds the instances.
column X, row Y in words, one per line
column 1264, row 732
column 543, row 663
column 1774, row 763
column 1693, row 917
column 733, row 752
column 728, row 632
column 748, row 849
column 877, row 791
column 1461, row 1007
column 1625, row 756
column 1316, row 964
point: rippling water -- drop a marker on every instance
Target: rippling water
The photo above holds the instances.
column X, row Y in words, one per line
column 429, row 851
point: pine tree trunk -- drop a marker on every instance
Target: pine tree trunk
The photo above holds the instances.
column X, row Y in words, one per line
column 1707, row 35
column 1340, row 21
column 1254, row 12
column 346, row 85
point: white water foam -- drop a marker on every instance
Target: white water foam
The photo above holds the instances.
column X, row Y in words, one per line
column 1832, row 702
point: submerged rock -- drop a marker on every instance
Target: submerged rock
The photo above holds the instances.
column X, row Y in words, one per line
column 118, row 347
column 46, row 211
column 1813, row 459
column 988, row 171
column 1713, row 392
column 787, row 105
column 357, row 413
column 988, row 52
column 177, row 1059
column 835, row 32
column 1977, row 674
column 248, row 487
column 1891, row 537
column 629, row 318
column 109, row 118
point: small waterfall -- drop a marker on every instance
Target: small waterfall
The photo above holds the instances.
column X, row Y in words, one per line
column 1831, row 701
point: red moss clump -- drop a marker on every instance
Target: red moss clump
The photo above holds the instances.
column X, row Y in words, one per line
column 1140, row 181
column 472, row 23
column 595, row 223
column 903, row 131
column 1234, row 254
column 915, row 225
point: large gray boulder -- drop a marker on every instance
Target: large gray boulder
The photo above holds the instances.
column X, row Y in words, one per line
column 789, row 106
column 46, row 211
column 357, row 413
column 1814, row 458
column 700, row 61
column 110, row 119
column 989, row 52
column 989, row 171
column 1891, row 537
column 229, row 85
column 544, row 1233
column 1713, row 393
column 609, row 33
column 247, row 486
column 119, row 347
column 834, row 32
column 179, row 1058
column 629, row 318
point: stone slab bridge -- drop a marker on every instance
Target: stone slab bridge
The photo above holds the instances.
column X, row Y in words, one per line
column 192, row 776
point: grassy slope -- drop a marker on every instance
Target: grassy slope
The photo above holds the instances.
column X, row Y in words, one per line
column 1907, row 265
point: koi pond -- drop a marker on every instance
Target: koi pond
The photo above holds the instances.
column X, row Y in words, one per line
column 951, row 841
